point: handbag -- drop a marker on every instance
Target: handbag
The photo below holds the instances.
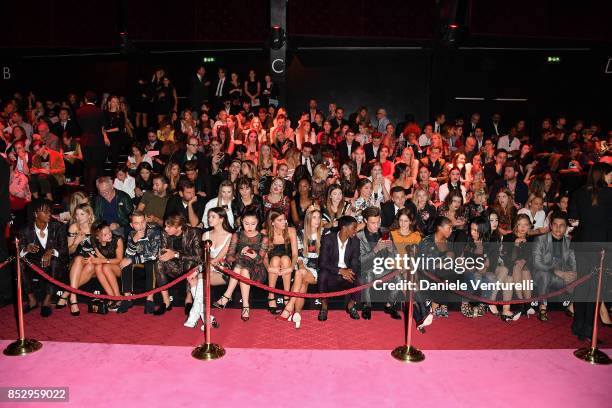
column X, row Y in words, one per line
column 98, row 306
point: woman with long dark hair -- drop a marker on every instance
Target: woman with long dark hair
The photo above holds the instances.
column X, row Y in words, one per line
column 302, row 200
column 282, row 255
column 309, row 246
column 220, row 235
column 591, row 205
column 247, row 250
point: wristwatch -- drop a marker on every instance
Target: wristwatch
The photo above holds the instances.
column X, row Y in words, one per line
column 176, row 255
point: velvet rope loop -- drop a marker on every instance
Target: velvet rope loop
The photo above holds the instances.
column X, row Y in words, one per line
column 323, row 295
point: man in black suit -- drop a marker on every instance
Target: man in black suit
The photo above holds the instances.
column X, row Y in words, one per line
column 512, row 182
column 495, row 129
column 221, row 88
column 390, row 208
column 93, row 141
column 340, row 266
column 306, row 157
column 372, row 149
column 199, row 90
column 347, row 147
column 471, row 126
column 190, row 152
column 44, row 244
column 338, row 120
column 65, row 124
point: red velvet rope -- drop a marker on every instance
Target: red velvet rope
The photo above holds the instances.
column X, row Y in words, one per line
column 321, row 295
column 251, row 282
column 512, row 302
column 68, row 288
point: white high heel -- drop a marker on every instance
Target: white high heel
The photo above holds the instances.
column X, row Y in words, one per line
column 197, row 309
column 297, row 319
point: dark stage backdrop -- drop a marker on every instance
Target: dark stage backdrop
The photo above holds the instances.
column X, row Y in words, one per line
column 397, row 80
column 402, row 81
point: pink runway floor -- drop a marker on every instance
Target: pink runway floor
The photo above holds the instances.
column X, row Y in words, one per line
column 106, row 375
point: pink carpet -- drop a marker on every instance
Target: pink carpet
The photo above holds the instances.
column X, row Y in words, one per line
column 262, row 331
column 105, row 375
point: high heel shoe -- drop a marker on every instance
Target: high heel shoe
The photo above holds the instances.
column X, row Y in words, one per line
column 490, row 307
column 78, row 312
column 281, row 317
column 514, row 317
column 65, row 299
column 163, row 309
column 220, row 305
column 272, row 309
column 245, row 316
column 297, row 319
column 196, row 311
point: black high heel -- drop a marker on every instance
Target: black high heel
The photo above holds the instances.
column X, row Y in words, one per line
column 58, row 306
column 78, row 312
column 272, row 309
column 219, row 305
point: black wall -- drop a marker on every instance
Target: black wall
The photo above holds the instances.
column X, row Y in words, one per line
column 402, row 81
column 396, row 80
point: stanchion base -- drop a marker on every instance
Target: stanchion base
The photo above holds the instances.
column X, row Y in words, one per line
column 22, row 347
column 408, row 354
column 593, row 356
column 208, row 352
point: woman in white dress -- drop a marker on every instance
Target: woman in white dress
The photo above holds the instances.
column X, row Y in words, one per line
column 220, row 236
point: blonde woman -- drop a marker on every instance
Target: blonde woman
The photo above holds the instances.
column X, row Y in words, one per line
column 224, row 199
column 77, row 198
column 319, row 182
column 249, row 169
column 282, row 254
column 266, row 163
column 173, row 174
column 309, row 247
column 411, row 162
column 79, row 243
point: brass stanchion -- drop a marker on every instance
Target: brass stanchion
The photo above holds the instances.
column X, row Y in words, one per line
column 22, row 346
column 407, row 353
column 592, row 354
column 207, row 350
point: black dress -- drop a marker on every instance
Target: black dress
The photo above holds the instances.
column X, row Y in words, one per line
column 592, row 234
column 141, row 102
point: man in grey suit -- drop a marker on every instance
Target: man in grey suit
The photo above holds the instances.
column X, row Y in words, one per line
column 372, row 245
column 554, row 262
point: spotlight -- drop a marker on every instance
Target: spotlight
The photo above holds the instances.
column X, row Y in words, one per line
column 278, row 37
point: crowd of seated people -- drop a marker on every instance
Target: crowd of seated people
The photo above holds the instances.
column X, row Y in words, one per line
column 307, row 198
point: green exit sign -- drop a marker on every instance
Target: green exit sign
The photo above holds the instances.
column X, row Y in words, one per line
column 208, row 59
column 553, row 60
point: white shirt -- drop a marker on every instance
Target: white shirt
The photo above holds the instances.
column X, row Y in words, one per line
column 220, row 86
column 341, row 252
column 538, row 221
column 212, row 204
column 42, row 237
column 443, row 191
column 504, row 143
column 127, row 186
column 424, row 140
column 307, row 163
